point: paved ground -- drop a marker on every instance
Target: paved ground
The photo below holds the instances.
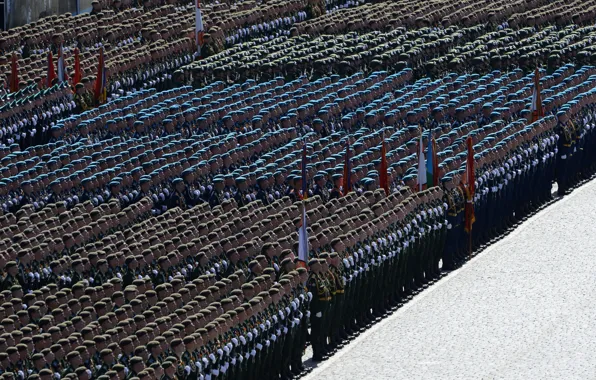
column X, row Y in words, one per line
column 523, row 309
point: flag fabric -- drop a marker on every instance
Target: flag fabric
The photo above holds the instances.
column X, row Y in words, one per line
column 537, row 110
column 421, row 166
column 51, row 71
column 304, row 189
column 432, row 165
column 470, row 187
column 77, row 68
column 61, row 72
column 383, row 175
column 347, row 176
column 14, row 74
column 302, row 241
column 100, row 91
column 198, row 27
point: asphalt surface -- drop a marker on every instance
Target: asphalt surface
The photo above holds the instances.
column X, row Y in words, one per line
column 525, row 308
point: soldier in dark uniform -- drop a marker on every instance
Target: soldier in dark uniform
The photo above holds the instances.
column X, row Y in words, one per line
column 116, row 6
column 262, row 193
column 216, row 196
column 242, row 195
column 450, row 198
column 114, row 193
column 102, row 273
column 181, row 196
column 320, row 187
column 161, row 276
column 188, row 357
column 292, row 190
column 96, row 7
column 320, row 298
column 336, row 191
column 337, row 333
column 177, row 350
column 170, row 369
column 11, row 277
column 88, row 193
column 144, row 191
column 153, row 358
column 134, row 366
column 79, row 98
column 74, row 361
column 565, row 142
column 456, row 202
column 131, row 271
column 330, row 318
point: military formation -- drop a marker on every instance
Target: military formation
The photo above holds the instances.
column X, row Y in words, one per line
column 155, row 236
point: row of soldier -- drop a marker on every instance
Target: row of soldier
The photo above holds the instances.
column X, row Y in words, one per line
column 410, row 117
column 419, row 266
column 98, row 195
column 305, row 117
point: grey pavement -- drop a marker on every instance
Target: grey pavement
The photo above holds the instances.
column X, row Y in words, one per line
column 525, row 308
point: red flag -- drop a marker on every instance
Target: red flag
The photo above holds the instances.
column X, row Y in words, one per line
column 51, row 71
column 537, row 111
column 383, row 175
column 77, row 67
column 14, row 74
column 469, row 187
column 99, row 92
column 347, row 180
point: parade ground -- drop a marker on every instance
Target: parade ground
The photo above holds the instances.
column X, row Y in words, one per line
column 521, row 309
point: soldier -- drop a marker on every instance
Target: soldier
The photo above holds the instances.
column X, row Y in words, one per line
column 337, row 332
column 336, row 191
column 320, row 187
column 170, row 370
column 181, row 196
column 177, row 350
column 455, row 202
column 188, row 357
column 216, row 195
column 262, row 194
column 95, row 7
column 330, row 317
column 79, row 98
column 11, row 275
column 565, row 152
column 74, row 361
column 242, row 195
column 154, row 356
column 319, row 303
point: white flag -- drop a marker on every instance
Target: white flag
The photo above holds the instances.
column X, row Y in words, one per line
column 303, row 238
column 61, row 77
column 198, row 27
